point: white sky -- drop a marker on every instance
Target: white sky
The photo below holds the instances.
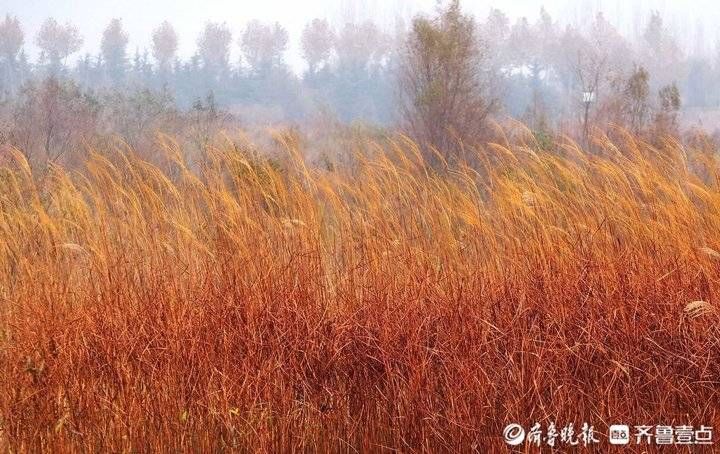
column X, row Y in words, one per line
column 140, row 17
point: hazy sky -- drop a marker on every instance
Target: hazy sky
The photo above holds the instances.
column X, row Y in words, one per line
column 140, row 17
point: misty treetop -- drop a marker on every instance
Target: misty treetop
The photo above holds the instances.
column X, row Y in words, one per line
column 536, row 70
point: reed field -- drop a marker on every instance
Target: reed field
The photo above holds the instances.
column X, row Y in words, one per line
column 238, row 303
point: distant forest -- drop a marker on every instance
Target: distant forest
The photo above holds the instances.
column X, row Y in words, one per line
column 540, row 72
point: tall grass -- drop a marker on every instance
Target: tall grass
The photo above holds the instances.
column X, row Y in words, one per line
column 263, row 307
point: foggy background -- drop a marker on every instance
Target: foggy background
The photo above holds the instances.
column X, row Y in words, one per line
column 693, row 22
column 132, row 68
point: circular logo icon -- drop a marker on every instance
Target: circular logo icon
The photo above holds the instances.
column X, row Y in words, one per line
column 514, row 434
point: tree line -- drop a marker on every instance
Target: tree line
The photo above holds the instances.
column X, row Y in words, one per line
column 440, row 76
column 348, row 68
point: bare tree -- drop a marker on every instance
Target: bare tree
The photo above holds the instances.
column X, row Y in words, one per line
column 164, row 46
column 597, row 62
column 590, row 71
column 444, row 92
column 55, row 116
column 317, row 44
column 57, row 42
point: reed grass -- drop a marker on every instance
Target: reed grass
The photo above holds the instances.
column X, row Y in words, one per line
column 251, row 306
